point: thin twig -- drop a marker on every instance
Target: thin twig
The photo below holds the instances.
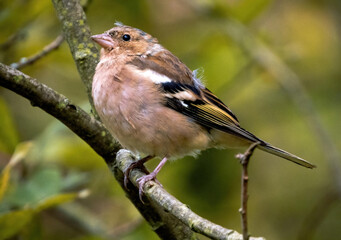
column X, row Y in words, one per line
column 13, row 39
column 93, row 133
column 166, row 224
column 46, row 50
column 292, row 84
column 77, row 34
column 75, row 118
column 265, row 57
column 177, row 221
column 244, row 160
column 157, row 196
column 17, row 36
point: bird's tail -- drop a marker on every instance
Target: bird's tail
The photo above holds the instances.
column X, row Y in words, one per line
column 283, row 154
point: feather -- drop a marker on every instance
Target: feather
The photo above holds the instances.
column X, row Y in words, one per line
column 284, row 154
column 164, row 63
column 203, row 107
column 212, row 113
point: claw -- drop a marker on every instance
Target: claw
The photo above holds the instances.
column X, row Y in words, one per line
column 130, row 168
column 137, row 164
column 151, row 176
column 143, row 180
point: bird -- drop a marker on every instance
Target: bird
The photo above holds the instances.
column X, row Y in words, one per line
column 155, row 106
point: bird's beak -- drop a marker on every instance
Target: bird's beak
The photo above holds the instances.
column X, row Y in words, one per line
column 104, row 40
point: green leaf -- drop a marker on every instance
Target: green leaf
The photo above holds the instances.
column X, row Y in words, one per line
column 32, row 230
column 56, row 200
column 5, row 174
column 8, row 133
column 75, row 179
column 42, row 184
column 20, row 152
column 12, row 222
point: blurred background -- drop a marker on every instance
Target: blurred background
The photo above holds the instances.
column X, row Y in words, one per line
column 276, row 64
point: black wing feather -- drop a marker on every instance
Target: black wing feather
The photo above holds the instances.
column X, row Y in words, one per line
column 207, row 119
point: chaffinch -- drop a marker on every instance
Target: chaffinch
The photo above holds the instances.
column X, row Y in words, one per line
column 154, row 105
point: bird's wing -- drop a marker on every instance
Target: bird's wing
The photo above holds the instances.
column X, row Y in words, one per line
column 164, row 64
column 204, row 107
column 185, row 94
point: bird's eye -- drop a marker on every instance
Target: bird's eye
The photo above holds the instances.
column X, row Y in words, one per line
column 126, row 37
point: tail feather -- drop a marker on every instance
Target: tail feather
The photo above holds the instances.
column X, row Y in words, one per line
column 283, row 154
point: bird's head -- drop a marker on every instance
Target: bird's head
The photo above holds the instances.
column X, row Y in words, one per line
column 125, row 40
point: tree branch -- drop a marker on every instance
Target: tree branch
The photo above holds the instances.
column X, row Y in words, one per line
column 46, row 50
column 177, row 222
column 169, row 218
column 77, row 34
column 244, row 160
column 291, row 83
column 170, row 206
column 165, row 224
column 75, row 118
column 17, row 36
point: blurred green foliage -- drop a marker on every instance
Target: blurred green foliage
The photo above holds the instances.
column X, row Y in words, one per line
column 8, row 136
column 305, row 35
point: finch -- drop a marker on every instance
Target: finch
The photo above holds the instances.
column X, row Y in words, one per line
column 155, row 106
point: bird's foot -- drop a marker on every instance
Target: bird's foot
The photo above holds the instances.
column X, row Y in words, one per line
column 138, row 164
column 143, row 180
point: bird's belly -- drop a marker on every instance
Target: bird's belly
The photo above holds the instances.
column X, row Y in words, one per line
column 153, row 129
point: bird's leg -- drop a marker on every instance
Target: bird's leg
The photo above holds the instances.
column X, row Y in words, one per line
column 137, row 164
column 151, row 176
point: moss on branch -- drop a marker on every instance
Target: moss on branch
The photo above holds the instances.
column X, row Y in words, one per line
column 77, row 34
